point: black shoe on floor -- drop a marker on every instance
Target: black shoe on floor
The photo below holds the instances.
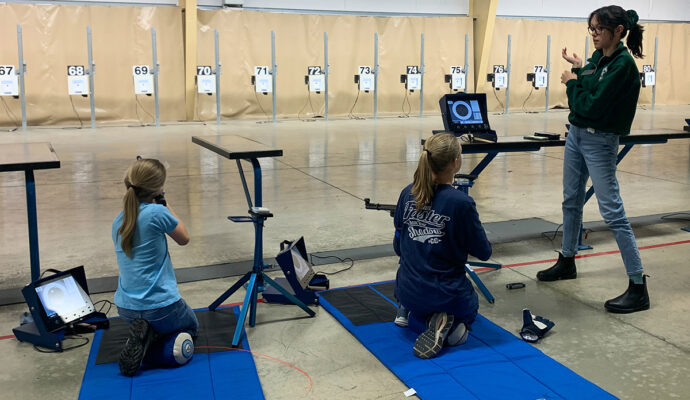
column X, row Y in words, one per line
column 140, row 337
column 563, row 269
column 430, row 342
column 636, row 298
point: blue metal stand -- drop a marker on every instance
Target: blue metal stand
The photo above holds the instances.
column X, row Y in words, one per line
column 256, row 277
column 33, row 224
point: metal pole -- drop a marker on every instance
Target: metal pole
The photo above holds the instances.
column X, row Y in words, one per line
column 586, row 50
column 155, row 75
column 508, row 80
column 33, row 224
column 467, row 66
column 376, row 72
column 548, row 71
column 274, row 70
column 215, row 34
column 22, row 71
column 656, row 47
column 421, row 71
column 325, row 65
column 92, row 70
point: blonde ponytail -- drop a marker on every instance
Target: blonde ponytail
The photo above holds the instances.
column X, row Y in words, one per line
column 129, row 220
column 144, row 179
column 423, row 182
column 439, row 152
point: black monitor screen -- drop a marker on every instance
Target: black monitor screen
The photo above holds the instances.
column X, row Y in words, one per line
column 465, row 112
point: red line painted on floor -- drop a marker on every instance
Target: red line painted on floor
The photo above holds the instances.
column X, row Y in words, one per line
column 603, row 253
column 239, row 303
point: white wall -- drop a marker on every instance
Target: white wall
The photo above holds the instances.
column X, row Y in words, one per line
column 664, row 10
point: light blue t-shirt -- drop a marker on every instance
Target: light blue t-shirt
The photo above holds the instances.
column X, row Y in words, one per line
column 147, row 280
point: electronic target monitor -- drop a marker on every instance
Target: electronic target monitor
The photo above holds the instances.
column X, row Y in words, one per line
column 465, row 113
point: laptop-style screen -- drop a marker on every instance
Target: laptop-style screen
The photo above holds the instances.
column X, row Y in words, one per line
column 64, row 297
column 303, row 268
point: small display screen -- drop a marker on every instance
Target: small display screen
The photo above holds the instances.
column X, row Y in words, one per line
column 465, row 112
column 303, row 269
column 65, row 298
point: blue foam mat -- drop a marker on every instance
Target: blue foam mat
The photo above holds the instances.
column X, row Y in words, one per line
column 219, row 375
column 493, row 364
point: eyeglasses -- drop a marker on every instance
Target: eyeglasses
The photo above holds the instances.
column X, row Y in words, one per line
column 595, row 30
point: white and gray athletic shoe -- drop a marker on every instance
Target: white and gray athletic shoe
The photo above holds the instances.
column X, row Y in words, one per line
column 401, row 318
column 430, row 342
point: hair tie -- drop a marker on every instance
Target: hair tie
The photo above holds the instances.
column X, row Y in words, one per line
column 427, row 150
column 128, row 184
column 632, row 18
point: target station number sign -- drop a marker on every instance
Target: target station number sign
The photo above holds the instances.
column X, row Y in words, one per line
column 457, row 78
column 143, row 79
column 500, row 77
column 205, row 79
column 366, row 78
column 262, row 79
column 316, row 78
column 9, row 85
column 77, row 81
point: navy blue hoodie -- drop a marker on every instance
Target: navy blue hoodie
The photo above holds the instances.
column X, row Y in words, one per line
column 433, row 245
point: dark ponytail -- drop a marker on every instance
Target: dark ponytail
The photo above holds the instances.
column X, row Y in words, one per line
column 634, row 41
column 610, row 17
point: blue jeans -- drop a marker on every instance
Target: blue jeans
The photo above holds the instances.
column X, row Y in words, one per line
column 176, row 317
column 590, row 153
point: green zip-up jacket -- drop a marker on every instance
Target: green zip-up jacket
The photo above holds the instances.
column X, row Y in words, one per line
column 604, row 95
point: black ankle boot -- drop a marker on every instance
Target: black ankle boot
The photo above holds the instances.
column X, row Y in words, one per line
column 634, row 299
column 563, row 269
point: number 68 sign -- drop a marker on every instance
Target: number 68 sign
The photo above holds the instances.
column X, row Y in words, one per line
column 77, row 81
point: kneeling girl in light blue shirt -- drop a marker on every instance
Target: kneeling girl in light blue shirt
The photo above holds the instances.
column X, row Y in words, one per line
column 162, row 325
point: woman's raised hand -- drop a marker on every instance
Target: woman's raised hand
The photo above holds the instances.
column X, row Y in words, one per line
column 574, row 59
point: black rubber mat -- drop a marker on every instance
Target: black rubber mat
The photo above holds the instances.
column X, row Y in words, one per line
column 361, row 305
column 387, row 289
column 216, row 329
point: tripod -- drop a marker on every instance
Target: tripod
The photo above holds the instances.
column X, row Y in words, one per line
column 256, row 278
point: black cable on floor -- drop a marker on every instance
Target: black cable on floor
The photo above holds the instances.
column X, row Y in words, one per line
column 105, row 302
column 308, row 102
column 525, row 102
column 258, row 102
column 555, row 233
column 499, row 101
column 81, row 124
column 342, row 260
column 84, row 341
column 351, row 115
column 153, row 119
column 409, row 106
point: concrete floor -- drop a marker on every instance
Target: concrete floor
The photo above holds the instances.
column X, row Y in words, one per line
column 316, row 190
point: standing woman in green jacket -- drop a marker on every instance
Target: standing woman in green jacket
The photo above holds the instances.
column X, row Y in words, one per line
column 602, row 96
